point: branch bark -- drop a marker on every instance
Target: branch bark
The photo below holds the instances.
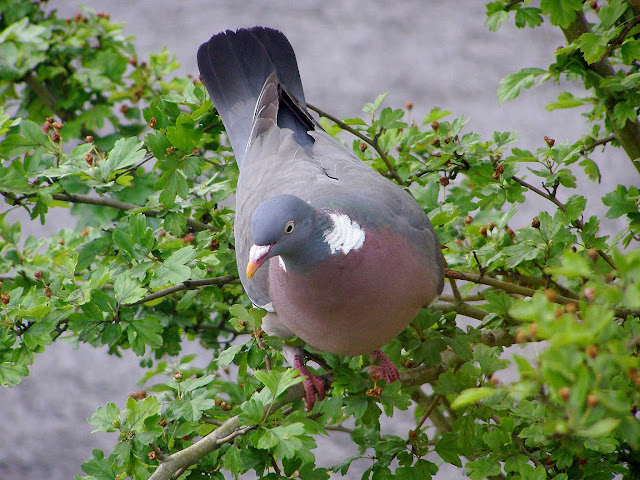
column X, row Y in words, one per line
column 232, row 428
column 117, row 204
column 527, row 292
column 188, row 285
column 629, row 134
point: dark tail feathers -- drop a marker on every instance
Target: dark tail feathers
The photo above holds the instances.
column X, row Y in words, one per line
column 234, row 67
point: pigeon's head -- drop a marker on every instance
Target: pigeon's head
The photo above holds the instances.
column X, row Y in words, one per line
column 283, row 225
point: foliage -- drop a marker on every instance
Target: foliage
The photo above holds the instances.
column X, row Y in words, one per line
column 142, row 161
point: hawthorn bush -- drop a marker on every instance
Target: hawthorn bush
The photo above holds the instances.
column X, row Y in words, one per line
column 141, row 158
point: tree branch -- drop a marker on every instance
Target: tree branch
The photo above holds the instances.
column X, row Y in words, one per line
column 552, row 198
column 527, row 292
column 618, row 40
column 188, row 285
column 117, row 204
column 629, row 134
column 232, row 428
column 362, row 137
column 190, row 455
column 461, row 308
column 44, row 95
column 602, row 141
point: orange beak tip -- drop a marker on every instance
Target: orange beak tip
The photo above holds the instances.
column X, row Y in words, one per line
column 252, row 267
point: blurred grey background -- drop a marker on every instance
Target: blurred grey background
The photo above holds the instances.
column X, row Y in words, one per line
column 432, row 53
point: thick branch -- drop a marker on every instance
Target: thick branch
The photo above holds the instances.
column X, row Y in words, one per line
column 190, row 455
column 629, row 134
column 44, row 95
column 117, row 204
column 231, row 428
column 461, row 308
column 362, row 137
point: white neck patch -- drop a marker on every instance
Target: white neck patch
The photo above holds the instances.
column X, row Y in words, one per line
column 281, row 262
column 345, row 235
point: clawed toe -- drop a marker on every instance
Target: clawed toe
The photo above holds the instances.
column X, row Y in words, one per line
column 312, row 384
column 382, row 367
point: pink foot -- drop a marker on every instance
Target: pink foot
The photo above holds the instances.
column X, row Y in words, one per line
column 312, row 384
column 382, row 367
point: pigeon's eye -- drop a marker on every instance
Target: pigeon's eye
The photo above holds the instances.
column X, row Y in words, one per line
column 288, row 228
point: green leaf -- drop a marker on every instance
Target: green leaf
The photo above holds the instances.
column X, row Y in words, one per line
column 125, row 152
column 511, row 84
column 33, row 133
column 522, row 252
column 565, row 100
column 144, row 331
column 561, row 12
column 371, row 108
column 592, row 46
column 528, row 16
column 482, row 468
column 192, row 409
column 107, row 418
column 139, row 411
column 278, row 382
column 624, row 112
column 389, row 118
column 127, row 290
column 174, row 269
column 600, row 428
column 471, row 396
column 496, row 16
column 621, row 201
column 630, row 51
column 227, row 355
column 99, row 467
column 176, row 184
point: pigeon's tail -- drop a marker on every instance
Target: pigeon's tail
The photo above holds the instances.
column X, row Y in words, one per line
column 237, row 66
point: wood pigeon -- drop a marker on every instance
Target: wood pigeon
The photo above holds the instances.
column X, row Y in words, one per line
column 337, row 255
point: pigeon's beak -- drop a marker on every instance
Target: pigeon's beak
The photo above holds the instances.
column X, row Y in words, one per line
column 257, row 255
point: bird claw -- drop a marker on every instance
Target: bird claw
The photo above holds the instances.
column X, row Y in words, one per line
column 312, row 384
column 382, row 367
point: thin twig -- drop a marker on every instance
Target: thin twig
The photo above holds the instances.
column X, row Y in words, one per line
column 618, row 40
column 276, row 469
column 476, row 297
column 520, row 445
column 552, row 198
column 159, row 453
column 593, row 145
column 428, row 411
column 178, row 473
column 461, row 308
column 267, row 360
column 134, row 167
column 117, row 204
column 362, row 137
column 527, row 292
column 188, row 285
